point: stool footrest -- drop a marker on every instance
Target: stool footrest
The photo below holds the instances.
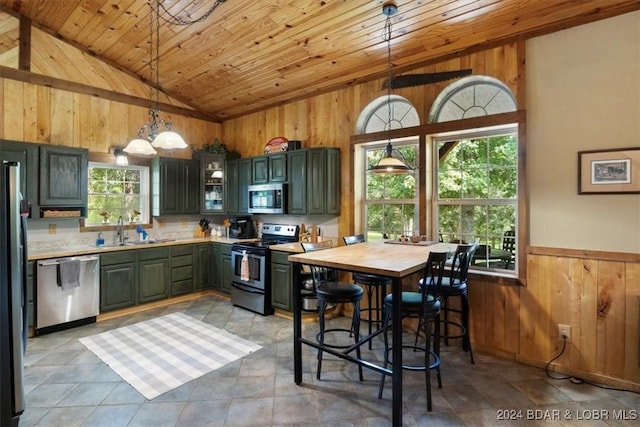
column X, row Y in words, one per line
column 435, row 364
column 334, row 345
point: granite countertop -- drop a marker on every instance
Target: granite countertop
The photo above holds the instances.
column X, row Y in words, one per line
column 35, row 255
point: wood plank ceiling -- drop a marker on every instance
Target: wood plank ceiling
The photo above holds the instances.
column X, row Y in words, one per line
column 249, row 55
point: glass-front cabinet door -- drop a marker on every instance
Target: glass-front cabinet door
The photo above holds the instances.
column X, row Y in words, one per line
column 213, row 183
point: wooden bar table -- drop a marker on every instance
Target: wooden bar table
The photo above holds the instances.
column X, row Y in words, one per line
column 394, row 261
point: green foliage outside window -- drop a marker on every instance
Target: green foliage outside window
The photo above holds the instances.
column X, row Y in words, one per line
column 477, row 189
column 115, row 191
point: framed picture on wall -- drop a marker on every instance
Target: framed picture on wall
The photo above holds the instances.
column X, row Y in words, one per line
column 614, row 171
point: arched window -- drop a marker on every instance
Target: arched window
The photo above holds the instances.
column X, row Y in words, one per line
column 472, row 96
column 375, row 116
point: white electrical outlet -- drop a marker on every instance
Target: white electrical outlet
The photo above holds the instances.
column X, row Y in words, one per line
column 564, row 332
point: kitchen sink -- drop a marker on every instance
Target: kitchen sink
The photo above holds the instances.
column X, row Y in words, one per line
column 108, row 245
column 133, row 243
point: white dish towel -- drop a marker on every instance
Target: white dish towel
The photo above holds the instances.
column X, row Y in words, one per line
column 244, row 267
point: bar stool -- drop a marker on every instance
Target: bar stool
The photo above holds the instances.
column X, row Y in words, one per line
column 455, row 285
column 426, row 306
column 330, row 291
column 373, row 284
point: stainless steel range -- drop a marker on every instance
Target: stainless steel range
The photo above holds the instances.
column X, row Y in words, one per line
column 252, row 290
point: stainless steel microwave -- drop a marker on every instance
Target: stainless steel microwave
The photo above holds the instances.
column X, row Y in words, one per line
column 268, row 198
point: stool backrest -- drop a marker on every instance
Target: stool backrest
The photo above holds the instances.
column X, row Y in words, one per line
column 461, row 261
column 352, row 240
column 434, row 271
column 320, row 274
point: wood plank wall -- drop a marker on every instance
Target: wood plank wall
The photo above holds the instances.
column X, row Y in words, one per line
column 596, row 295
column 41, row 114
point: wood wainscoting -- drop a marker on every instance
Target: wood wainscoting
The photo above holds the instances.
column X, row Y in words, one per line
column 596, row 293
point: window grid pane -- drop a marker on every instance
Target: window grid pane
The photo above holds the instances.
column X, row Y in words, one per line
column 477, row 195
column 116, row 191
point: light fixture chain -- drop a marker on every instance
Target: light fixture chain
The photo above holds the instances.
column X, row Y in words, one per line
column 179, row 21
column 387, row 31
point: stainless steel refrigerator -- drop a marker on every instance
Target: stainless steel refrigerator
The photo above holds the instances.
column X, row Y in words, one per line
column 13, row 309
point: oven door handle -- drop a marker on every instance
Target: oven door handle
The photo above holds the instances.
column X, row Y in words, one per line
column 248, row 289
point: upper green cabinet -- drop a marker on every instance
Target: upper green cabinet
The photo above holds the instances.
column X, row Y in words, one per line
column 314, row 182
column 238, row 181
column 213, row 183
column 269, row 168
column 297, row 189
column 27, row 155
column 63, row 176
column 175, row 186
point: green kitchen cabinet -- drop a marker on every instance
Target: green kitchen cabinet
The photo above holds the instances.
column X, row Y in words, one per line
column 269, row 168
column 231, row 189
column 225, row 285
column 182, row 269
column 118, row 281
column 215, row 265
column 191, row 187
column 63, row 176
column 260, row 170
column 27, row 155
column 323, row 181
column 244, row 181
column 332, row 182
column 175, row 186
column 213, row 183
column 238, row 181
column 201, row 268
column 281, row 289
column 278, row 167
column 314, row 181
column 153, row 274
column 297, row 188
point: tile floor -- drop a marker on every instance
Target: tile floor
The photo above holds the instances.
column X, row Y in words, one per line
column 68, row 386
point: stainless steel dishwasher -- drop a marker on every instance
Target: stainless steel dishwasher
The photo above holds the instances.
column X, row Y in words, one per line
column 60, row 307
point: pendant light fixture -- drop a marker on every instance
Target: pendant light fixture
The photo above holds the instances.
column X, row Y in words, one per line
column 167, row 139
column 390, row 164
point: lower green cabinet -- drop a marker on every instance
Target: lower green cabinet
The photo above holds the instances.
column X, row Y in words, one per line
column 181, row 270
column 118, row 281
column 281, row 290
column 201, row 269
column 215, row 265
column 225, row 285
column 153, row 274
column 139, row 276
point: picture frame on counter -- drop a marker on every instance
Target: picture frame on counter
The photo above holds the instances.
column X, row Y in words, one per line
column 612, row 171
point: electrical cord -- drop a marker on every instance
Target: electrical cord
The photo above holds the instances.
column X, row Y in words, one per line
column 546, row 368
column 576, row 380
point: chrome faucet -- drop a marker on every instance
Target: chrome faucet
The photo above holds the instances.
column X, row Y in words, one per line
column 120, row 231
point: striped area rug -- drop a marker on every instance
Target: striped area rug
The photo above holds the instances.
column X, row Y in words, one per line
column 160, row 354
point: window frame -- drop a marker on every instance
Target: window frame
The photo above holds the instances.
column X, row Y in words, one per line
column 437, row 202
column 415, row 201
column 146, row 219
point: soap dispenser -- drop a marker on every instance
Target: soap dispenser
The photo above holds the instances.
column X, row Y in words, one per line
column 100, row 239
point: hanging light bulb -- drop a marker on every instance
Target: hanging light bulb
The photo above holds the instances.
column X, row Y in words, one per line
column 390, row 164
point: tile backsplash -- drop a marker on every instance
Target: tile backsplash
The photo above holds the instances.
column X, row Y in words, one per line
column 60, row 233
